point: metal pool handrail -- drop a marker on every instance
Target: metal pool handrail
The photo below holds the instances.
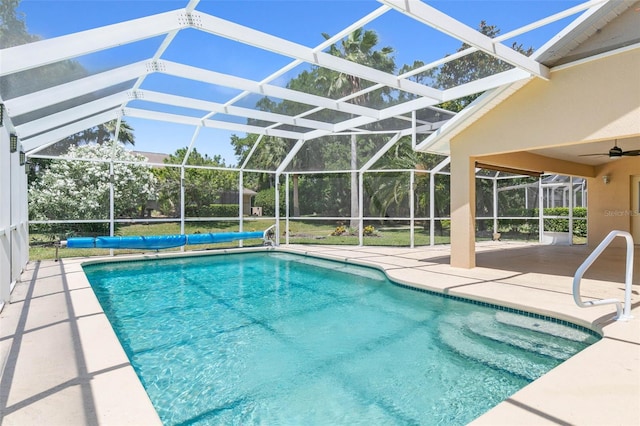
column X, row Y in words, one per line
column 621, row 314
column 268, row 234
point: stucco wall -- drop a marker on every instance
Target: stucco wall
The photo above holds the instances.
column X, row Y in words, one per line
column 589, row 102
column 595, row 101
column 609, row 205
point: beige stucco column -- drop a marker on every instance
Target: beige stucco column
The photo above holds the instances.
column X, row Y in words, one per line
column 463, row 212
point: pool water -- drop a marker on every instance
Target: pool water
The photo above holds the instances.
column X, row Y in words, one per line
column 278, row 339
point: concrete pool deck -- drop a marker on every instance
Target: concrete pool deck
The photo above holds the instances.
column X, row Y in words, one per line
column 62, row 363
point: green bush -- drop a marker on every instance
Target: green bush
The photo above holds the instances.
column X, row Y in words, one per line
column 518, row 212
column 520, row 226
column 562, row 225
column 559, row 224
column 213, row 210
column 267, row 200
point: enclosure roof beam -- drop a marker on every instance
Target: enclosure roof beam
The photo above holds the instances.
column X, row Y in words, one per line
column 432, row 17
column 425, row 128
column 253, row 149
column 473, row 87
column 250, row 36
column 207, row 76
column 497, row 80
column 285, row 163
column 333, row 39
column 47, row 97
column 391, row 142
column 351, row 123
column 195, row 121
column 491, row 82
column 180, row 101
column 53, row 121
column 361, row 121
column 70, row 129
column 64, row 92
column 194, row 137
column 441, row 165
column 43, row 52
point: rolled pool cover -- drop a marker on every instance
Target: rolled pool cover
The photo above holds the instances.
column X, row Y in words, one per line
column 155, row 242
column 222, row 237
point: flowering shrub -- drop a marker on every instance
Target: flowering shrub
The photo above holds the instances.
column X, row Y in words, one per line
column 369, row 230
column 339, row 231
column 80, row 189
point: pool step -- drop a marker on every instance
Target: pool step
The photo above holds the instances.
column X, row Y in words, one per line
column 523, row 338
column 545, row 327
column 456, row 335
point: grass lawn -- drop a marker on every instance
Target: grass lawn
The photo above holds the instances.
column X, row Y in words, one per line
column 47, row 250
column 300, row 232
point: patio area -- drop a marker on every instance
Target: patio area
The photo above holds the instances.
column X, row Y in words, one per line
column 62, row 363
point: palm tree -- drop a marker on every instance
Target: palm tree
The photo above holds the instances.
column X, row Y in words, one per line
column 271, row 153
column 104, row 133
column 357, row 47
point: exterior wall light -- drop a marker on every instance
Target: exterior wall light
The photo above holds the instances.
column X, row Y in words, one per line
column 23, row 158
column 606, row 179
column 27, row 167
column 13, row 142
column 1, row 115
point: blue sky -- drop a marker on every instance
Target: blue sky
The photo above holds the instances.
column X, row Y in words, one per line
column 301, row 21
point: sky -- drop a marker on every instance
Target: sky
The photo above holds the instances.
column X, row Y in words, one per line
column 301, row 21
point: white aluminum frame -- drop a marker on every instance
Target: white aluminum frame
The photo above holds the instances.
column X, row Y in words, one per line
column 38, row 133
column 47, row 130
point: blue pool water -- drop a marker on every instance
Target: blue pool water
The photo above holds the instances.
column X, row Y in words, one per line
column 278, row 339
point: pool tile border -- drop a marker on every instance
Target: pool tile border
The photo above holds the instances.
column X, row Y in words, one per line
column 502, row 308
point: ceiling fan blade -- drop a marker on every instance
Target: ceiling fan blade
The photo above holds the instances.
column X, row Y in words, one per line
column 593, row 155
column 631, row 153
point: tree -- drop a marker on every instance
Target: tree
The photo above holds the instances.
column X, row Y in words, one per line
column 74, row 189
column 388, row 194
column 273, row 150
column 13, row 32
column 202, row 187
column 472, row 67
column 357, row 47
column 360, row 47
column 104, row 133
column 101, row 134
column 469, row 68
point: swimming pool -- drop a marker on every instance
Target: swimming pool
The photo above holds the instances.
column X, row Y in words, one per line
column 277, row 338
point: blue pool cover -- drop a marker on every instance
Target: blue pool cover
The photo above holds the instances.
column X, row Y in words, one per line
column 155, row 242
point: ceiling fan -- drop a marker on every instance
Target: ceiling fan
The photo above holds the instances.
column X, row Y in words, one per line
column 616, row 152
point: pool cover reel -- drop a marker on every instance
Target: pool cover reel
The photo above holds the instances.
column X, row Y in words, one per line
column 161, row 241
